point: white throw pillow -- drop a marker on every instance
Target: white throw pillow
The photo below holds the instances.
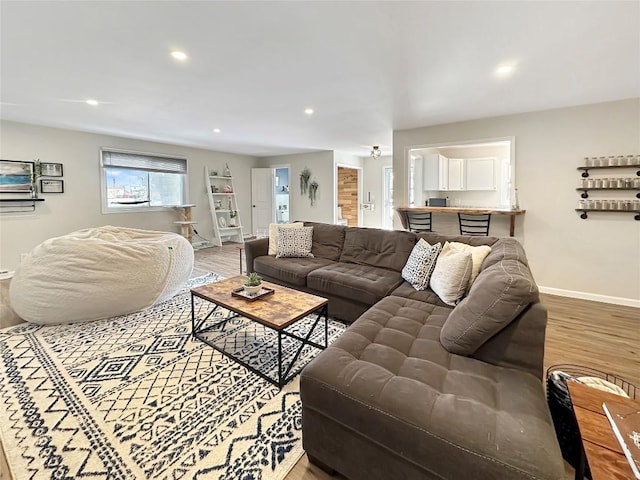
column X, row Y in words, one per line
column 273, row 234
column 295, row 242
column 450, row 278
column 478, row 254
column 420, row 264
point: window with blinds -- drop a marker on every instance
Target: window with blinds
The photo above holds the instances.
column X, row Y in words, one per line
column 139, row 181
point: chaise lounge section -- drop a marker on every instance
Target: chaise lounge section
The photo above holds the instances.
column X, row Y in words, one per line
column 416, row 388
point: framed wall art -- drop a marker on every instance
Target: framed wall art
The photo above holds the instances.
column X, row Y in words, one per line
column 51, row 169
column 16, row 176
column 51, row 186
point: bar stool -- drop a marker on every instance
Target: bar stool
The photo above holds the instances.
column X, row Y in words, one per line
column 474, row 224
column 419, row 221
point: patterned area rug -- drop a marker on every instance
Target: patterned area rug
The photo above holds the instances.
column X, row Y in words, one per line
column 136, row 397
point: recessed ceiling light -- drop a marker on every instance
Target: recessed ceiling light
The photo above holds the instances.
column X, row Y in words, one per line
column 504, row 70
column 308, row 111
column 93, row 103
column 178, row 55
column 216, row 130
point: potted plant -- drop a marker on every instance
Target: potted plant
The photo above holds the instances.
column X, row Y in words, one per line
column 253, row 283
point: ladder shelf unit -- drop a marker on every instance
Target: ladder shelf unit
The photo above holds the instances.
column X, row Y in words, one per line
column 224, row 209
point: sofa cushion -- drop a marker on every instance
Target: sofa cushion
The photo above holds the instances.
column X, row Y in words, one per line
column 420, row 264
column 478, row 254
column 328, row 240
column 451, row 275
column 500, row 293
column 378, row 248
column 292, row 271
column 360, row 283
column 294, row 242
column 505, row 248
column 428, row 296
column 389, row 379
column 474, row 241
column 273, row 234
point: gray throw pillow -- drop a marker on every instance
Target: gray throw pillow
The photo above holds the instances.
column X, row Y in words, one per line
column 417, row 271
column 295, row 242
column 499, row 294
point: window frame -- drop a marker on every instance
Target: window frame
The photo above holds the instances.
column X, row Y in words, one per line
column 137, row 208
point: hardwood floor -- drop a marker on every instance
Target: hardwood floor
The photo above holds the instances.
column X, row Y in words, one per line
column 599, row 335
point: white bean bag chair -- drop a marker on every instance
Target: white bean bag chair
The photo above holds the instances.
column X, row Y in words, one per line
column 99, row 273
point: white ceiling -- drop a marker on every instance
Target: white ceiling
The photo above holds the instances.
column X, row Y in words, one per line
column 366, row 68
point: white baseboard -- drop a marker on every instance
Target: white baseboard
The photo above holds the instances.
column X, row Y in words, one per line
column 628, row 302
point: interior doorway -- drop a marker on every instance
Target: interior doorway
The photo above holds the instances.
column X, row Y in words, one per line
column 281, row 194
column 269, row 197
column 348, row 196
column 387, row 214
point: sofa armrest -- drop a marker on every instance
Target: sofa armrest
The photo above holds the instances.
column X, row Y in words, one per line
column 253, row 249
column 521, row 344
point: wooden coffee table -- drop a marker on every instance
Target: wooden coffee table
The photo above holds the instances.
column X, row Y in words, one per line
column 277, row 312
column 606, row 459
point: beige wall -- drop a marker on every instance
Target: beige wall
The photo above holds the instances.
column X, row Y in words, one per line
column 598, row 258
column 80, row 205
column 321, row 166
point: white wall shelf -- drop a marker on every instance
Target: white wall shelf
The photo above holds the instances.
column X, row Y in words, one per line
column 224, row 209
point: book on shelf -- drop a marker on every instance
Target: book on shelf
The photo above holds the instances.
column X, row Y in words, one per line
column 625, row 422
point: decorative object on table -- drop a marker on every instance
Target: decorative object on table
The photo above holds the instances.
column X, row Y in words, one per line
column 227, row 189
column 51, row 186
column 227, row 171
column 305, row 175
column 253, row 283
column 222, row 222
column 16, row 176
column 50, row 169
column 625, row 423
column 145, row 361
column 252, row 297
column 218, row 204
column 313, row 189
column 214, row 189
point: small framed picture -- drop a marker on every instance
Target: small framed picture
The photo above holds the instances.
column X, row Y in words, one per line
column 51, row 169
column 51, row 186
column 15, row 176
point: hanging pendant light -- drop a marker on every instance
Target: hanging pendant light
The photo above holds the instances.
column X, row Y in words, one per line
column 376, row 152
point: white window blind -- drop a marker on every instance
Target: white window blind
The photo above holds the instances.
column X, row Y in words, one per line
column 142, row 161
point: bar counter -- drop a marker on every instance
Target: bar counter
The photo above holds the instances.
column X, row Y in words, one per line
column 493, row 211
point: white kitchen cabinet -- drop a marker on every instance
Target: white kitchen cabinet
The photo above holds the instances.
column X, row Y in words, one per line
column 480, row 174
column 456, row 174
column 435, row 169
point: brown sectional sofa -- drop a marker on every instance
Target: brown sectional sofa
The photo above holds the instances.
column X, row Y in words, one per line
column 417, row 389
